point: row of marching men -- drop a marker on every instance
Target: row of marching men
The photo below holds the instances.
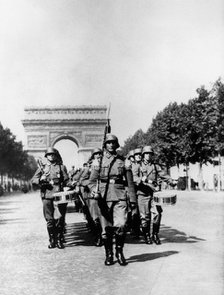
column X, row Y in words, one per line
column 113, row 188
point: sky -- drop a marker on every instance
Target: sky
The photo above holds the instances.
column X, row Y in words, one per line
column 138, row 55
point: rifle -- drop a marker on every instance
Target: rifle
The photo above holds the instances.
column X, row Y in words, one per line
column 107, row 130
column 101, row 199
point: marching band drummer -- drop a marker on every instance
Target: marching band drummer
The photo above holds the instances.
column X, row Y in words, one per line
column 146, row 178
column 51, row 178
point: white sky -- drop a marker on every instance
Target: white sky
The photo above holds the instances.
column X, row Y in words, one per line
column 137, row 54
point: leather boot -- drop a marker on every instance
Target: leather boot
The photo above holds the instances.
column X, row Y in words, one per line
column 135, row 226
column 119, row 250
column 51, row 234
column 155, row 231
column 146, row 235
column 98, row 238
column 108, row 245
column 59, row 242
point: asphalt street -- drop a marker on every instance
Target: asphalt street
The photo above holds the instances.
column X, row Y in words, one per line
column 190, row 259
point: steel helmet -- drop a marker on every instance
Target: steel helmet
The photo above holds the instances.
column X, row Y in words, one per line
column 111, row 137
column 138, row 151
column 51, row 150
column 130, row 154
column 147, row 149
column 96, row 151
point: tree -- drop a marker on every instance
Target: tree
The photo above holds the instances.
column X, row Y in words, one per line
column 137, row 140
column 14, row 161
column 164, row 135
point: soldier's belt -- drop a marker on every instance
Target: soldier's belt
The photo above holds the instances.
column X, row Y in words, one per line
column 113, row 181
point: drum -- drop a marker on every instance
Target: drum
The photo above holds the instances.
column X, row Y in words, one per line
column 165, row 198
column 63, row 197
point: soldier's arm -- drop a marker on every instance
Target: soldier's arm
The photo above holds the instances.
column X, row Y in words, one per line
column 65, row 176
column 163, row 176
column 36, row 178
column 136, row 174
column 131, row 186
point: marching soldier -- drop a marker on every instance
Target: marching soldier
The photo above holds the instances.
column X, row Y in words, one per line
column 52, row 178
column 133, row 217
column 93, row 203
column 112, row 198
column 147, row 179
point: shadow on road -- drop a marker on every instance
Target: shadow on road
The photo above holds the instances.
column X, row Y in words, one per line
column 12, row 220
column 168, row 235
column 171, row 235
column 150, row 256
column 77, row 234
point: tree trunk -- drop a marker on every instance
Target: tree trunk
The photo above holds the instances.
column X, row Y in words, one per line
column 220, row 174
column 188, row 178
column 200, row 177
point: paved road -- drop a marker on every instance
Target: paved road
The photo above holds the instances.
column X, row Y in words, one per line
column 189, row 261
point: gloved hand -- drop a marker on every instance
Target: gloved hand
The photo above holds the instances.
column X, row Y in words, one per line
column 44, row 184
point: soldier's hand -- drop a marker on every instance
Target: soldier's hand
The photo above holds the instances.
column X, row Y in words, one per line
column 45, row 185
column 127, row 164
column 144, row 179
column 43, row 178
column 95, row 195
column 51, row 181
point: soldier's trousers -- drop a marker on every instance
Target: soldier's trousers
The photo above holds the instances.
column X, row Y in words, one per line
column 48, row 211
column 149, row 212
column 116, row 218
column 94, row 209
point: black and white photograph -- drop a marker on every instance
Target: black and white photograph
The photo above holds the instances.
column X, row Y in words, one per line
column 112, row 147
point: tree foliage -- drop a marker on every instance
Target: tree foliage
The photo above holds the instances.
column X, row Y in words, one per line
column 187, row 133
column 13, row 159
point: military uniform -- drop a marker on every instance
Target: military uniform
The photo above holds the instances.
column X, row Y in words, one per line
column 146, row 177
column 113, row 200
column 56, row 178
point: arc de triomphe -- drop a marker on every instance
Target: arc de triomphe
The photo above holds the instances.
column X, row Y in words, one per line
column 45, row 126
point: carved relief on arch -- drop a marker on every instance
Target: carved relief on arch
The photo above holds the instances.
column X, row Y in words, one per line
column 37, row 141
column 76, row 137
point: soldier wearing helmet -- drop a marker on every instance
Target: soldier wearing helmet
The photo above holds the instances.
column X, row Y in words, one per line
column 51, row 178
column 92, row 203
column 135, row 218
column 149, row 175
column 113, row 174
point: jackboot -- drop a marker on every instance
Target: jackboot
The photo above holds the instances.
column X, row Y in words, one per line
column 155, row 236
column 119, row 250
column 98, row 242
column 59, row 242
column 146, row 235
column 135, row 227
column 108, row 245
column 51, row 234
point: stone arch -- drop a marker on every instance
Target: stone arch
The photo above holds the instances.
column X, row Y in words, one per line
column 84, row 125
column 65, row 136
